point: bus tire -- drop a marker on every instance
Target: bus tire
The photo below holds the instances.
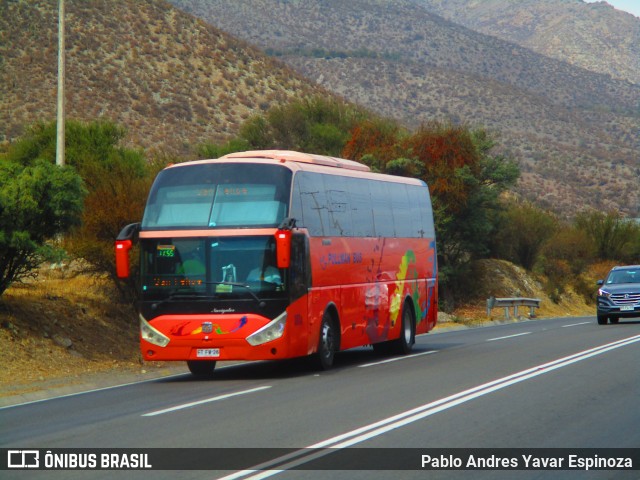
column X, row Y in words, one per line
column 404, row 344
column 201, row 368
column 327, row 343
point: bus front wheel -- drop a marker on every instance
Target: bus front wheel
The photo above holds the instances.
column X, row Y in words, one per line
column 327, row 343
column 201, row 368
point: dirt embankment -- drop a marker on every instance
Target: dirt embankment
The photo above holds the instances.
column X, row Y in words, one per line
column 61, row 327
column 499, row 278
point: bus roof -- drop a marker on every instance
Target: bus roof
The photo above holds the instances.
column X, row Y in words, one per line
column 306, row 161
column 288, row 155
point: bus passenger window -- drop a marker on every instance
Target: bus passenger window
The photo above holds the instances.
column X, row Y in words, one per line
column 314, row 203
column 382, row 212
column 361, row 211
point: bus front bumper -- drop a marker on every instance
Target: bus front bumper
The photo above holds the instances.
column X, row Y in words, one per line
column 214, row 337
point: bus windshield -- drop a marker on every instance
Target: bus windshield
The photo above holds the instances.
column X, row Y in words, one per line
column 214, row 266
column 218, row 196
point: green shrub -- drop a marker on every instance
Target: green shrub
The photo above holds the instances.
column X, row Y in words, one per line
column 117, row 181
column 613, row 236
column 38, row 201
column 524, row 230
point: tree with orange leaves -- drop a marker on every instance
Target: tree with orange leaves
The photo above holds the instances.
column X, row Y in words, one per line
column 444, row 150
column 465, row 178
column 375, row 138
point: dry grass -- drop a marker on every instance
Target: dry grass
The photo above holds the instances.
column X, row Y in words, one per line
column 61, row 327
column 173, row 81
column 500, row 278
column 573, row 133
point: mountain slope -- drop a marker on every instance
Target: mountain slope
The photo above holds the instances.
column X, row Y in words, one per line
column 172, row 80
column 575, row 133
column 401, row 30
column 594, row 36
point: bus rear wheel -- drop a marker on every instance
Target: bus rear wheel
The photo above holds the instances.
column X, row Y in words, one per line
column 201, row 368
column 404, row 344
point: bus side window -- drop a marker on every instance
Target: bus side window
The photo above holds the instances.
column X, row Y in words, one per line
column 300, row 271
column 416, row 202
column 296, row 202
column 401, row 209
column 361, row 211
column 427, row 213
column 382, row 212
column 337, row 203
column 314, row 203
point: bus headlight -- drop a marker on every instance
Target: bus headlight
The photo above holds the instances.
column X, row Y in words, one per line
column 271, row 331
column 151, row 335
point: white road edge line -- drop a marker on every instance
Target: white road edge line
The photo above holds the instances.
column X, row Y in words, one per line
column 508, row 336
column 110, row 387
column 206, row 400
column 575, row 324
column 395, row 359
column 359, row 435
column 94, row 390
column 139, row 382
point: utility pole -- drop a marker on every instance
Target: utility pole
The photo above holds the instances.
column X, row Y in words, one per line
column 60, row 118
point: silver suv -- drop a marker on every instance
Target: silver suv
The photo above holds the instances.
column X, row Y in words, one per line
column 619, row 294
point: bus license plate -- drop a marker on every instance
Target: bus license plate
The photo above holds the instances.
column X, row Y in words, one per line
column 626, row 308
column 207, row 352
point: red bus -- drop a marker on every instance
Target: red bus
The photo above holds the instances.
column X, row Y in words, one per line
column 278, row 254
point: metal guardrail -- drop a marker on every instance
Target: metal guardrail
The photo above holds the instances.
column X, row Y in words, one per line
column 514, row 303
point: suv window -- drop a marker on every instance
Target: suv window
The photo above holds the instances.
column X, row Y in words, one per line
column 623, row 276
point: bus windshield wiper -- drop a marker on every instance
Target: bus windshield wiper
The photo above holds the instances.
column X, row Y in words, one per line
column 191, row 296
column 176, row 295
column 261, row 303
column 185, row 296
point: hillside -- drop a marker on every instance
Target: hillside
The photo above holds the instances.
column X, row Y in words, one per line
column 594, row 36
column 172, row 80
column 574, row 132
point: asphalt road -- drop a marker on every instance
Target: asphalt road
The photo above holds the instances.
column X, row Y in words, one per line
column 559, row 384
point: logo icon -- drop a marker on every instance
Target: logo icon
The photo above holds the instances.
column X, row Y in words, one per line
column 207, row 327
column 23, row 459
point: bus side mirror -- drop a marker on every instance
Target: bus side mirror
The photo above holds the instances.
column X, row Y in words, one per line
column 123, row 245
column 283, row 248
column 122, row 258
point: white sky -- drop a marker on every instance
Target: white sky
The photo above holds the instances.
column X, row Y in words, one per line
column 631, row 6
